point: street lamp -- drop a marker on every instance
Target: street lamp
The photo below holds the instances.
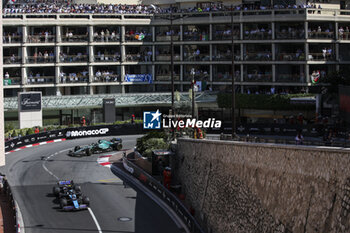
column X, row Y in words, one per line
column 233, row 79
column 193, row 82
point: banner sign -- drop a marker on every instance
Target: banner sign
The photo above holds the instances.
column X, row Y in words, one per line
column 138, row 78
column 72, row 133
column 30, row 101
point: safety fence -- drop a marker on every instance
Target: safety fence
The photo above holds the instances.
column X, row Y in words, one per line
column 6, row 189
column 72, row 133
column 163, row 193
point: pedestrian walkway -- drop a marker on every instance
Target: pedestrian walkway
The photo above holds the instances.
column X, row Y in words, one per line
column 7, row 214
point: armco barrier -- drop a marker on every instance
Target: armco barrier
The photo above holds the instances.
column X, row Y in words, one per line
column 72, row 133
column 169, row 198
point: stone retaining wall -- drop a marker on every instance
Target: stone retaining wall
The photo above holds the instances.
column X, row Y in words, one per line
column 247, row 187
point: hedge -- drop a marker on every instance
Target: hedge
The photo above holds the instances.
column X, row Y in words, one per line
column 261, row 101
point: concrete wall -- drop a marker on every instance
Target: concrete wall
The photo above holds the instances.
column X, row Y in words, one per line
column 246, row 187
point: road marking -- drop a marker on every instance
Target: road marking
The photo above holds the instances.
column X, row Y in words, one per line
column 95, row 220
column 47, row 158
column 113, row 180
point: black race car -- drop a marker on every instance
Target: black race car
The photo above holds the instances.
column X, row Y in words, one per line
column 70, row 196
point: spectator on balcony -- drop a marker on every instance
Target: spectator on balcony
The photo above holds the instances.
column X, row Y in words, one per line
column 324, row 53
column 46, row 56
column 341, row 33
column 95, row 35
column 102, row 36
column 7, row 75
column 347, row 33
column 98, row 75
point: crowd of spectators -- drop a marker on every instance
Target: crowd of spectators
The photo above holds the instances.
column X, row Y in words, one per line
column 106, row 36
column 318, row 32
column 13, row 59
column 290, row 33
column 41, row 37
column 78, row 57
column 258, row 33
column 132, row 35
column 226, row 34
column 55, row 7
column 42, row 57
column 141, row 56
column 12, row 37
column 196, row 35
column 344, row 33
column 112, row 56
column 298, row 55
column 106, row 76
column 74, row 77
column 39, row 78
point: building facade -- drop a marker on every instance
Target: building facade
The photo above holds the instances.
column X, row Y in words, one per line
column 275, row 51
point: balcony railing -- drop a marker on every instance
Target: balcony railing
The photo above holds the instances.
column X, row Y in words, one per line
column 167, row 77
column 167, row 38
column 195, row 37
column 257, row 78
column 290, row 57
column 344, row 36
column 74, row 79
column 11, row 39
column 12, row 81
column 220, row 77
column 263, row 56
column 167, row 57
column 107, row 78
column 195, row 57
column 226, row 57
column 106, row 39
column 75, row 38
column 290, row 78
column 42, row 59
column 107, row 58
column 321, row 57
column 12, row 60
column 138, row 38
column 223, row 36
column 137, row 58
column 73, row 58
column 41, row 39
column 204, row 76
column 258, row 35
column 290, row 35
column 321, row 35
column 40, row 80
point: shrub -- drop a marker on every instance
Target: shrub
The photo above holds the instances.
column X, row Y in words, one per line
column 152, row 144
column 144, row 142
column 30, row 131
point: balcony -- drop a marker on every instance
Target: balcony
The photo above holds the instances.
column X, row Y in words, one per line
column 138, row 58
column 258, row 78
column 75, row 38
column 11, row 39
column 73, row 58
column 290, row 78
column 107, row 58
column 262, row 56
column 106, row 78
column 40, row 59
column 294, row 34
column 254, row 35
column 166, row 77
column 321, row 57
column 41, row 39
column 226, row 57
column 74, row 78
column 167, row 57
column 290, row 57
column 12, row 60
column 40, row 80
column 321, row 35
column 197, row 57
column 12, row 81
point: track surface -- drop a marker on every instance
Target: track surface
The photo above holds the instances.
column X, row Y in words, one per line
column 28, row 172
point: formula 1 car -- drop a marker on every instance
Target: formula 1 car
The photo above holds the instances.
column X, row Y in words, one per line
column 99, row 147
column 70, row 196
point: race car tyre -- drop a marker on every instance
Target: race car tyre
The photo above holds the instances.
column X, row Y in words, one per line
column 119, row 146
column 88, row 152
column 76, row 148
column 63, row 203
column 56, row 191
column 77, row 188
column 86, row 200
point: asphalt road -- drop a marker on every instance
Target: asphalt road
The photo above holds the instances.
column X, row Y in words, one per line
column 114, row 205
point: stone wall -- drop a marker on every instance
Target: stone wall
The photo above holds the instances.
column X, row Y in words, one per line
column 247, row 187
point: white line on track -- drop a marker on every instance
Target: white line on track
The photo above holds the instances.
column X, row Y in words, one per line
column 95, row 220
column 50, row 156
